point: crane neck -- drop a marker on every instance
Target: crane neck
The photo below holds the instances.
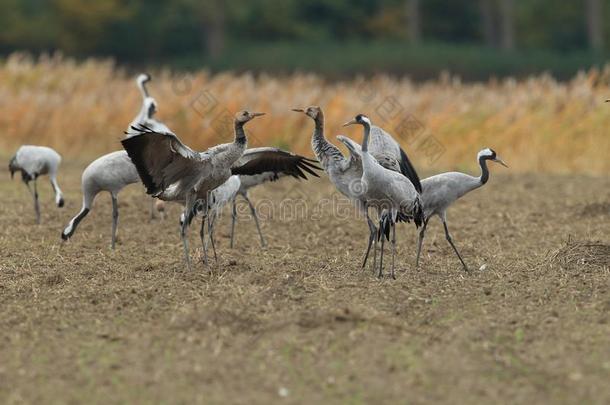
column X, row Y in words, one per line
column 143, row 89
column 365, row 138
column 320, row 144
column 240, row 133
column 484, row 170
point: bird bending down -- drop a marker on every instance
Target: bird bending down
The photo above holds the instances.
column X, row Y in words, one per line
column 171, row 171
column 33, row 161
column 386, row 190
column 442, row 190
column 113, row 171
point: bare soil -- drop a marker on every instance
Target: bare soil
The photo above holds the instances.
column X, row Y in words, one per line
column 299, row 321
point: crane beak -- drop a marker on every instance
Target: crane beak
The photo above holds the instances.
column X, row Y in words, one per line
column 298, row 110
column 257, row 114
column 498, row 160
column 348, row 123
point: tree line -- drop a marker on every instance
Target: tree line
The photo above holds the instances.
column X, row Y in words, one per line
column 133, row 30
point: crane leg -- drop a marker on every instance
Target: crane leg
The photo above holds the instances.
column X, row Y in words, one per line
column 233, row 218
column 204, row 244
column 258, row 227
column 393, row 248
column 188, row 217
column 211, row 225
column 152, row 208
column 372, row 240
column 380, row 273
column 36, row 203
column 448, row 236
column 420, row 241
column 115, row 219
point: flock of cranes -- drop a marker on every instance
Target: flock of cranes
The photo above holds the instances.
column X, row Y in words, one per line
column 377, row 174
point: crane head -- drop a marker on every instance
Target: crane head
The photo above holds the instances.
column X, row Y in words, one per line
column 491, row 154
column 143, row 78
column 359, row 119
column 313, row 111
column 244, row 116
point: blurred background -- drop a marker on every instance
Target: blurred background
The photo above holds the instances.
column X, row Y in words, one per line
column 473, row 38
column 510, row 73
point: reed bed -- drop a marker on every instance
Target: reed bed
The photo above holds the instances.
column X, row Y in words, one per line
column 536, row 125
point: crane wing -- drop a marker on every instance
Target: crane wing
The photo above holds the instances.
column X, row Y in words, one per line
column 355, row 151
column 261, row 160
column 390, row 155
column 161, row 159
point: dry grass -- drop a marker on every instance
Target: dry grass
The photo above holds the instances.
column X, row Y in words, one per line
column 536, row 125
column 299, row 322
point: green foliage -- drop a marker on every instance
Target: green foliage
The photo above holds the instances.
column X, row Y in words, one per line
column 328, row 36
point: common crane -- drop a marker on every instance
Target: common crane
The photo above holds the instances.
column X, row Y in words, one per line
column 387, row 190
column 273, row 163
column 146, row 117
column 171, row 171
column 442, row 190
column 33, row 161
column 113, row 171
column 346, row 173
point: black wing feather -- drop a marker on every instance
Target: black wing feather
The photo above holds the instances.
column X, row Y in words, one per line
column 407, row 169
column 278, row 162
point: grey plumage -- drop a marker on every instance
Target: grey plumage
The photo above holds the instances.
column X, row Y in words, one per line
column 113, row 171
column 34, row 161
column 146, row 117
column 260, row 165
column 346, row 173
column 385, row 189
column 256, row 167
column 171, row 171
column 442, row 190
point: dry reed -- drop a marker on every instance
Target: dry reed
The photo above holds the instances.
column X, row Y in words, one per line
column 538, row 124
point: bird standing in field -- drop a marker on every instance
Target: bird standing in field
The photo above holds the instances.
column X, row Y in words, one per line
column 270, row 164
column 110, row 172
column 346, row 173
column 442, row 190
column 171, row 171
column 33, row 161
column 146, row 118
column 386, row 190
column 113, row 171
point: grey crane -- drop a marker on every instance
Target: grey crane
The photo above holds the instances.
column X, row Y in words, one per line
column 387, row 190
column 346, row 173
column 114, row 171
column 33, row 161
column 270, row 164
column 148, row 109
column 442, row 190
column 146, row 117
column 110, row 172
column 171, row 171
